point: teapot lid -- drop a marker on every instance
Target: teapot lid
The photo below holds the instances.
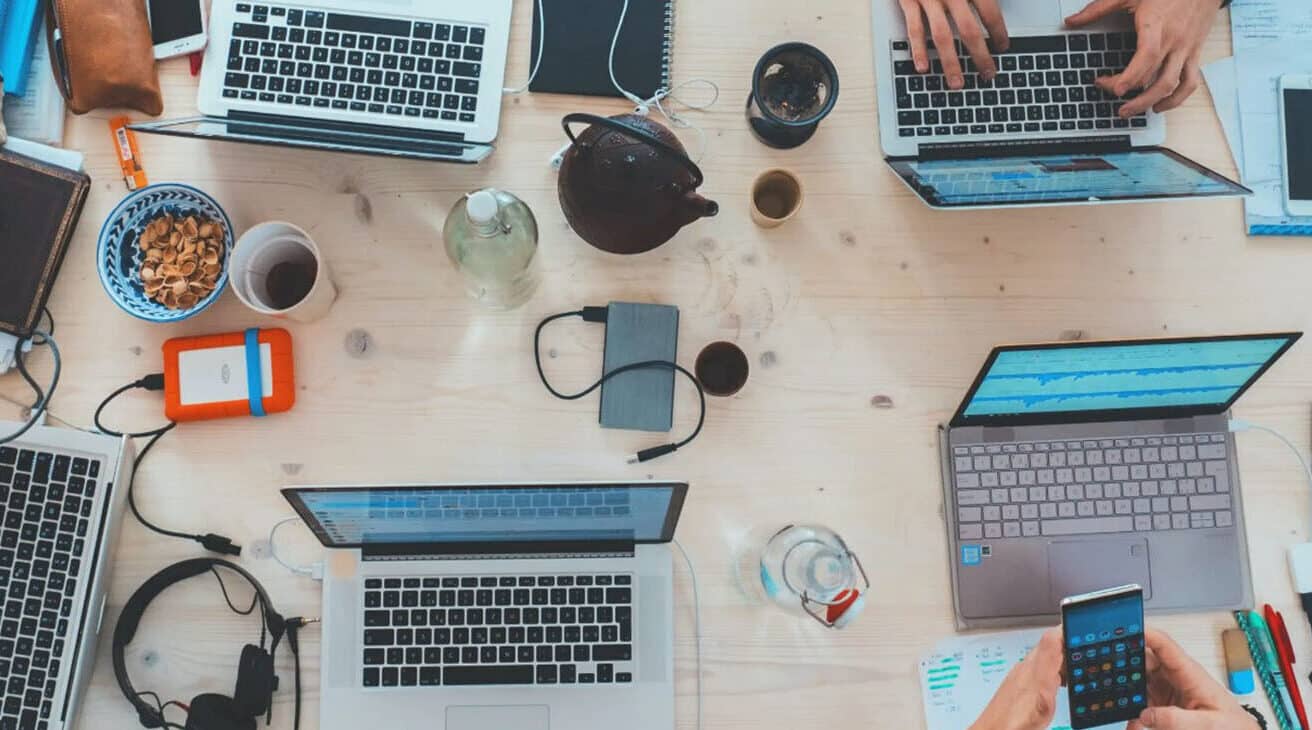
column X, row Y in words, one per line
column 643, row 136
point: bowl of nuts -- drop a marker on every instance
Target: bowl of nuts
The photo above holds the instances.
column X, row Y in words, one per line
column 163, row 252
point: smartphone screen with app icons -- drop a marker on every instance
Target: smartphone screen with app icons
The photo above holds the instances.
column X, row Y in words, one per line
column 1103, row 638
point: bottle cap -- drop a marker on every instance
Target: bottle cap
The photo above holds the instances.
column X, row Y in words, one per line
column 481, row 207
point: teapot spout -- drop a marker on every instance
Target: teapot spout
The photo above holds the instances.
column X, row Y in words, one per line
column 694, row 206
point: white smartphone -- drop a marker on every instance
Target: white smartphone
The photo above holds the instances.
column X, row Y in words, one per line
column 177, row 27
column 1296, row 141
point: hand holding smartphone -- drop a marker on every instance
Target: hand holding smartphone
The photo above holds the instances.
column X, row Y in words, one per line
column 177, row 27
column 1296, row 141
column 1103, row 642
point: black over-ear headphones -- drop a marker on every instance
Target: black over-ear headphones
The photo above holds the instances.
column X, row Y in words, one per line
column 256, row 681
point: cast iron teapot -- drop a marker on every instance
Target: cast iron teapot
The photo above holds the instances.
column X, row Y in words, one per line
column 626, row 183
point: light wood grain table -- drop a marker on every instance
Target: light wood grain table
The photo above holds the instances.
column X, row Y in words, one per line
column 864, row 320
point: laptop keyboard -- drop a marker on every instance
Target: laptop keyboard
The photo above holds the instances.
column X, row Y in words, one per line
column 297, row 57
column 498, row 630
column 1050, row 488
column 1044, row 84
column 48, row 499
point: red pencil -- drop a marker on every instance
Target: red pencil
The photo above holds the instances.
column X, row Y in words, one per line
column 1285, row 650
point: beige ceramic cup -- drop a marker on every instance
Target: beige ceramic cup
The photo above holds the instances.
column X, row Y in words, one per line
column 776, row 197
column 278, row 270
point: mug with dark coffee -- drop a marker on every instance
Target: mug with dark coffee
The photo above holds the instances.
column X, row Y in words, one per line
column 277, row 269
column 776, row 197
column 721, row 369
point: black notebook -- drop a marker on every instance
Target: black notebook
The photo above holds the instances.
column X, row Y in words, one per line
column 39, row 207
column 576, row 57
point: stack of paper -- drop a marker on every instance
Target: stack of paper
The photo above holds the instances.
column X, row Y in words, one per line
column 1271, row 38
column 959, row 677
column 38, row 115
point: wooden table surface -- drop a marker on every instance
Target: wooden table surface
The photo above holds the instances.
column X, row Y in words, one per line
column 864, row 320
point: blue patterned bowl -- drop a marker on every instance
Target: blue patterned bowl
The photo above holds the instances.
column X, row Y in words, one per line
column 118, row 257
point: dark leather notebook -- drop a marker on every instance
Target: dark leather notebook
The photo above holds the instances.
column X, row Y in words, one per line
column 39, row 208
column 576, row 58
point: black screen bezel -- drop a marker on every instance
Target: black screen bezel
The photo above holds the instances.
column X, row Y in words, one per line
column 173, row 7
column 1291, row 127
column 1065, row 648
column 960, row 419
column 679, row 491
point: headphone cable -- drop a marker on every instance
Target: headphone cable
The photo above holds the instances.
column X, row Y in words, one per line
column 210, row 541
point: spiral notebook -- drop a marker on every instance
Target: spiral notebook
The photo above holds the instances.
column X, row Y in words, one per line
column 576, row 57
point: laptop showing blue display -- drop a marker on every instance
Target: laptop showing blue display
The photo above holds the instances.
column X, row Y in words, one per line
column 1073, row 466
column 1062, row 178
column 1114, row 380
column 489, row 514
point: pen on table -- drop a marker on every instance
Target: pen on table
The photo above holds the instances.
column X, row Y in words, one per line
column 1284, row 651
column 57, row 48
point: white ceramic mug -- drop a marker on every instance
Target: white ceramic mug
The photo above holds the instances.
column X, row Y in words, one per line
column 291, row 255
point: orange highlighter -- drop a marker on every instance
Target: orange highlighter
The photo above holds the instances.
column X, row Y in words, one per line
column 1285, row 651
column 248, row 373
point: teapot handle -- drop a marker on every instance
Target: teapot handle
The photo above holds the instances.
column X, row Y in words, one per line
column 618, row 126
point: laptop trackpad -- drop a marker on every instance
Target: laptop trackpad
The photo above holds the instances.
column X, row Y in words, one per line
column 1045, row 14
column 1080, row 566
column 521, row 717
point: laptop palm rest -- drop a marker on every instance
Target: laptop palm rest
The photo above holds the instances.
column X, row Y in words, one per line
column 517, row 717
column 1084, row 565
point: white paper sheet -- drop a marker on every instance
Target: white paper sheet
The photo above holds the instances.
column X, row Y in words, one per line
column 959, row 677
column 1258, row 76
column 38, row 115
column 1260, row 23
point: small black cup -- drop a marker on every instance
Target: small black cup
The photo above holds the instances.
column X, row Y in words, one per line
column 794, row 86
column 721, row 369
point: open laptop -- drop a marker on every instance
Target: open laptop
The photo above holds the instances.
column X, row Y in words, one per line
column 1040, row 133
column 64, row 493
column 1074, row 466
column 496, row 606
column 409, row 78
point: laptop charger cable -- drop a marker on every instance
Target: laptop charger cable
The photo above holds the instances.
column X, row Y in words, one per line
column 212, row 542
column 599, row 315
column 37, row 412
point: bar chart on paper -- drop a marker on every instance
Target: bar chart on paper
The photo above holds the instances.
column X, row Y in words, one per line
column 960, row 675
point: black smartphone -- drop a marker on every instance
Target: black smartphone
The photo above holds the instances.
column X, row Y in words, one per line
column 1102, row 633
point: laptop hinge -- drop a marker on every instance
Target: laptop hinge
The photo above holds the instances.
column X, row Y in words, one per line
column 346, row 128
column 500, row 550
column 1024, row 147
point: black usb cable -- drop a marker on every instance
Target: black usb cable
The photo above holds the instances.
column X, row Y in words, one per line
column 210, row 541
column 599, row 315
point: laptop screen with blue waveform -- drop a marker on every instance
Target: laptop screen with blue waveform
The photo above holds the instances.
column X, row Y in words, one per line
column 1200, row 375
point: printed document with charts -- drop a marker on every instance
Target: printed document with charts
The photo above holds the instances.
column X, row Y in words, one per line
column 960, row 675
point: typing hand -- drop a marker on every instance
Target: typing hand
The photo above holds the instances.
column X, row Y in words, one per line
column 1027, row 698
column 1182, row 695
column 934, row 15
column 1165, row 66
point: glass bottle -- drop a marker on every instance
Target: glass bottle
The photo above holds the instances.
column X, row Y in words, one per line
column 491, row 237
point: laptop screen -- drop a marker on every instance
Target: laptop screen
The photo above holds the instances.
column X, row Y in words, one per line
column 1125, row 175
column 1109, row 380
column 359, row 516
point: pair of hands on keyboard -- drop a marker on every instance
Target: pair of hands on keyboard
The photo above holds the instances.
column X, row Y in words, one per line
column 1181, row 694
column 1165, row 66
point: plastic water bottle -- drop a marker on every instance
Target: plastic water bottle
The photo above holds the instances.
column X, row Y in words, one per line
column 492, row 239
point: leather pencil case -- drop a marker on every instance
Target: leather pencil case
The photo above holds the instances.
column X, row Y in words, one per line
column 102, row 55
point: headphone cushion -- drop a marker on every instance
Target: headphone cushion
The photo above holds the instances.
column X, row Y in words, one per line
column 255, row 682
column 217, row 712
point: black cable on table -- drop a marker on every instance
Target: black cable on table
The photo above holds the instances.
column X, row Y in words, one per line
column 599, row 314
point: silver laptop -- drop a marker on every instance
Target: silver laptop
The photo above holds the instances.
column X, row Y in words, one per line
column 410, row 78
column 1040, row 133
column 63, row 493
column 496, row 606
column 1074, row 466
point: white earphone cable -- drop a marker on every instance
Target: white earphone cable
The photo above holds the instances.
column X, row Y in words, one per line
column 537, row 59
column 697, row 627
column 304, row 570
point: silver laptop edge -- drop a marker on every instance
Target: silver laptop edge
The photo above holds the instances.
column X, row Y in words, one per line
column 79, row 658
column 645, row 704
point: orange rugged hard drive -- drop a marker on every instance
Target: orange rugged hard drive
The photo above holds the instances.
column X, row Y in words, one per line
column 210, row 376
